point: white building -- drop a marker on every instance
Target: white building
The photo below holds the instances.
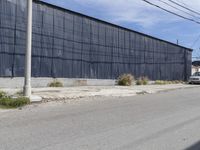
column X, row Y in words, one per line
column 195, row 66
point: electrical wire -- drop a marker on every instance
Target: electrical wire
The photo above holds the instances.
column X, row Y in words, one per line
column 171, row 12
column 178, row 9
column 194, row 43
column 184, row 7
column 179, row 1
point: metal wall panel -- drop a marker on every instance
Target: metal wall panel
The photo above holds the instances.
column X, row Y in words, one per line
column 70, row 45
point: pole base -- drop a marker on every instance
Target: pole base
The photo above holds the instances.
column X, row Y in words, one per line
column 35, row 99
column 27, row 91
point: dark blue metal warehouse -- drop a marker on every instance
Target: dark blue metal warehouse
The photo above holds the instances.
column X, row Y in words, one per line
column 71, row 45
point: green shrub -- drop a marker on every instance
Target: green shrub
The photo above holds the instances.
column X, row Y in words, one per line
column 20, row 101
column 142, row 81
column 139, row 82
column 160, row 82
column 55, row 83
column 9, row 102
column 177, row 82
column 145, row 80
column 125, row 80
column 2, row 94
column 14, row 102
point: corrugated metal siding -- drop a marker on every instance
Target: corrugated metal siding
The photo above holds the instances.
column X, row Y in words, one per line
column 70, row 45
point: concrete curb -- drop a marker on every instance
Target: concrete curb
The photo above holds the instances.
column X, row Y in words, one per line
column 35, row 99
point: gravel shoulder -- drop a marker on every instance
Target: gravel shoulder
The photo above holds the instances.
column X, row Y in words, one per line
column 67, row 93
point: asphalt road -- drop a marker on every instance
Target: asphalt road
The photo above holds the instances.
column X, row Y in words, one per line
column 164, row 121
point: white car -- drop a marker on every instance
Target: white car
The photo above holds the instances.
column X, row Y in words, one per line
column 195, row 78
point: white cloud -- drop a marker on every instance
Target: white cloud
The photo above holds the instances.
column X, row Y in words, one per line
column 136, row 11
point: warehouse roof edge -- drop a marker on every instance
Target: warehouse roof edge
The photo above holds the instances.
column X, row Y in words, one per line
column 112, row 24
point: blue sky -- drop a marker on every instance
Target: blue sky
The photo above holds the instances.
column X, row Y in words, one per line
column 137, row 15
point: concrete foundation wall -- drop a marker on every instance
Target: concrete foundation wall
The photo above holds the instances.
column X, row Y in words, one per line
column 43, row 82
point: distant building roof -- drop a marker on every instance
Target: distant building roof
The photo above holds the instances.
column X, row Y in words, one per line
column 196, row 63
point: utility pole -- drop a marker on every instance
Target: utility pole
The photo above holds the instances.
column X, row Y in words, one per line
column 27, row 73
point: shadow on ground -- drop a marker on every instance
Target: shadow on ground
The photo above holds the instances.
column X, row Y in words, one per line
column 195, row 146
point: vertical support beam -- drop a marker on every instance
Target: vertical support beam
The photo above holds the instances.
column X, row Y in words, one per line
column 186, row 75
column 52, row 58
column 27, row 74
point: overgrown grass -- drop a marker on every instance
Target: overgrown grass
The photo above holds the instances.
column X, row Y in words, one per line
column 160, row 82
column 2, row 94
column 125, row 80
column 9, row 102
column 163, row 82
column 5, row 107
column 142, row 81
column 19, row 93
column 55, row 83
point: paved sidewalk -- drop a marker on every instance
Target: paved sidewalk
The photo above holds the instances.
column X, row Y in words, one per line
column 50, row 94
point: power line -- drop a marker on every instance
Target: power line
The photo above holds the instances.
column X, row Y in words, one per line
column 171, row 12
column 196, row 58
column 196, row 55
column 178, row 9
column 179, row 1
column 198, row 38
column 184, row 7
